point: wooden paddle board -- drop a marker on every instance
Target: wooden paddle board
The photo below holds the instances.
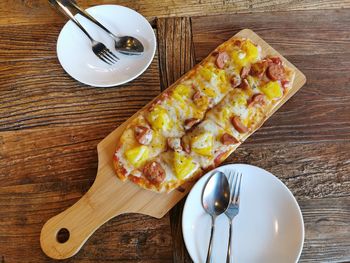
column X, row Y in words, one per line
column 109, row 197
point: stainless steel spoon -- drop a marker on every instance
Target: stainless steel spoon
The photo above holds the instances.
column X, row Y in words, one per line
column 127, row 45
column 215, row 200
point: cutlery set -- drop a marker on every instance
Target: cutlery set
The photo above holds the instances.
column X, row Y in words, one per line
column 221, row 195
column 126, row 45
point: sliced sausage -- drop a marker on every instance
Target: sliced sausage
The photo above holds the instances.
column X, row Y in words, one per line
column 275, row 72
column 256, row 99
column 244, row 84
column 219, row 159
column 174, row 143
column 215, row 53
column 237, row 42
column 235, row 81
column 245, row 71
column 228, row 139
column 221, row 59
column 189, row 123
column 239, row 126
column 275, row 60
column 154, row 172
column 258, row 69
column 143, row 134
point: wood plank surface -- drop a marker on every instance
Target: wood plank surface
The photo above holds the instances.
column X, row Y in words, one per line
column 50, row 124
column 38, row 93
column 38, row 11
column 176, row 53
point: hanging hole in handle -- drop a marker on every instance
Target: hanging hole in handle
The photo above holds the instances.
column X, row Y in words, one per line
column 62, row 235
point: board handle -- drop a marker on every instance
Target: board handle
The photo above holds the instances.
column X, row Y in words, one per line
column 63, row 235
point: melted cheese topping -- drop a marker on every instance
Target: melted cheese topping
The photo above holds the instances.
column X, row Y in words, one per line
column 207, row 130
column 216, row 103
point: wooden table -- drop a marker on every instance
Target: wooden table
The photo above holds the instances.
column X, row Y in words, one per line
column 50, row 124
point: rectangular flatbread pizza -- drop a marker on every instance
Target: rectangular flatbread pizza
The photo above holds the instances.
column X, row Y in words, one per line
column 195, row 124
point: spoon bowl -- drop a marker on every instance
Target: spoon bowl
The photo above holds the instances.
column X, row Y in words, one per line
column 128, row 45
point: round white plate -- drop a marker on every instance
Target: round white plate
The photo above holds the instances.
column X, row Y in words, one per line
column 269, row 227
column 76, row 56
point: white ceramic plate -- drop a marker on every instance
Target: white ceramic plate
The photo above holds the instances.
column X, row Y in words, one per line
column 76, row 57
column 269, row 227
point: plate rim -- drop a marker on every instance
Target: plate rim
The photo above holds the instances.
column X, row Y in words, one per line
column 116, row 83
column 255, row 167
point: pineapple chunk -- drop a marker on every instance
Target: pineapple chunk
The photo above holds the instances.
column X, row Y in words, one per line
column 239, row 59
column 202, row 103
column 205, row 73
column 252, row 52
column 248, row 54
column 180, row 105
column 203, row 144
column 182, row 90
column 138, row 155
column 206, row 90
column 209, row 92
column 239, row 99
column 158, row 141
column 272, row 90
column 183, row 165
column 159, row 119
column 225, row 113
column 223, row 81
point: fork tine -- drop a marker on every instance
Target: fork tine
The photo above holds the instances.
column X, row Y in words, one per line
column 109, row 54
column 103, row 59
column 238, row 188
column 115, row 56
column 233, row 186
column 230, row 181
column 103, row 54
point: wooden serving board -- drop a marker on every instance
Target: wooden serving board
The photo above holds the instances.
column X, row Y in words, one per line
column 109, row 197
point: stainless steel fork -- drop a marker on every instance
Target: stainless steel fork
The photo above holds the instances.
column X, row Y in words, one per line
column 234, row 179
column 99, row 49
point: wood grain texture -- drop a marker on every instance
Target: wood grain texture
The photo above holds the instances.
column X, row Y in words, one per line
column 318, row 32
column 308, row 171
column 28, row 42
column 176, row 53
column 330, row 221
column 39, row 93
column 176, row 56
column 39, row 11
